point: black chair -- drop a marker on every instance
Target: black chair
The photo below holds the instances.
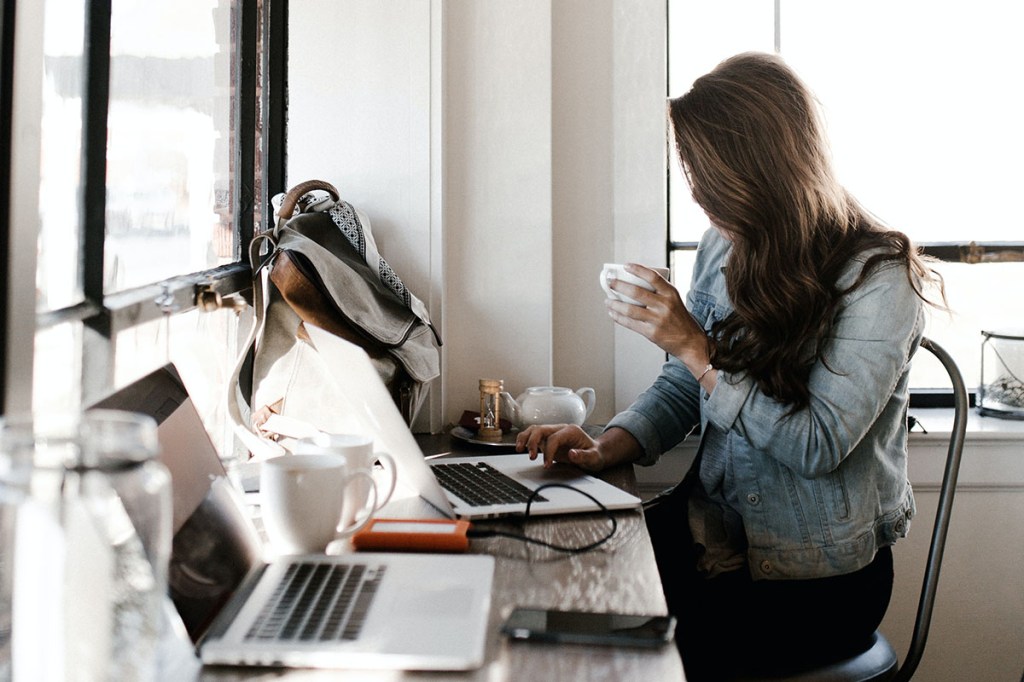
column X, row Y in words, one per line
column 879, row 661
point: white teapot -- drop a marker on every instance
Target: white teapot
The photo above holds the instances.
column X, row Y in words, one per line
column 549, row 405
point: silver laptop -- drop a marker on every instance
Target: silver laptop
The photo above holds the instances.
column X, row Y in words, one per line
column 357, row 610
column 365, row 405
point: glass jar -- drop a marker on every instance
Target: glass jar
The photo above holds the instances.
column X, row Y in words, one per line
column 1001, row 391
column 85, row 517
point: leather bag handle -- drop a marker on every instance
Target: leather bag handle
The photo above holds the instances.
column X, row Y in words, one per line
column 296, row 192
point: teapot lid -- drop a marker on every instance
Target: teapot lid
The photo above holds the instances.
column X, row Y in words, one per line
column 548, row 389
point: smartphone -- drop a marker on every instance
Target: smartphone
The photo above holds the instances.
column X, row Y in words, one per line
column 589, row 627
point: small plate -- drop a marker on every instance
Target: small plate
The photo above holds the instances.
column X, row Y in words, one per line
column 508, row 438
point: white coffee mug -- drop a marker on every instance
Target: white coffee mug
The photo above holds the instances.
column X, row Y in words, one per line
column 618, row 271
column 303, row 500
column 358, row 450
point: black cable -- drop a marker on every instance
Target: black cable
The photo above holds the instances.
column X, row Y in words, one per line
column 473, row 532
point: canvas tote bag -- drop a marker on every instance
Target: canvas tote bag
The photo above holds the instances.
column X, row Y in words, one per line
column 320, row 265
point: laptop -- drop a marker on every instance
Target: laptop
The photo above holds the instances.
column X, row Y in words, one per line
column 452, row 485
column 356, row 610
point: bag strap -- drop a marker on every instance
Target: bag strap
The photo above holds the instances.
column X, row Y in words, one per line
column 236, row 394
column 259, row 447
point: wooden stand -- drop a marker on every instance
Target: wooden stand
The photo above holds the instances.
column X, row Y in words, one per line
column 490, row 409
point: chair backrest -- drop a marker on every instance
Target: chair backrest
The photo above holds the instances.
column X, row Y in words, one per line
column 938, row 544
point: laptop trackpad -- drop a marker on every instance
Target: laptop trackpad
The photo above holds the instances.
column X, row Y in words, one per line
column 452, row 601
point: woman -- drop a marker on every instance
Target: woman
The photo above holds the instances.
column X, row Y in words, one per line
column 792, row 354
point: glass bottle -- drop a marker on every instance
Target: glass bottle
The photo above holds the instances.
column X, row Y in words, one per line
column 86, row 522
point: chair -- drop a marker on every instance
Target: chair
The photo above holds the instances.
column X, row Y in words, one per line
column 879, row 661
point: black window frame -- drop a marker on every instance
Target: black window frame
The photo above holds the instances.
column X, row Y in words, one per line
column 7, row 13
column 260, row 59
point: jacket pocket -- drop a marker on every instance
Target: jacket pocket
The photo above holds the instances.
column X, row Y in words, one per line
column 840, row 498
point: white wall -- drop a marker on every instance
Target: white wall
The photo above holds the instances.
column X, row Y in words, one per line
column 503, row 151
column 498, row 176
column 359, row 117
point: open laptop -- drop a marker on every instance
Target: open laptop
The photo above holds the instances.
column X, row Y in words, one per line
column 362, row 404
column 357, row 610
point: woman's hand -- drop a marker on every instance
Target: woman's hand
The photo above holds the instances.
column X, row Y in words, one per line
column 663, row 318
column 561, row 443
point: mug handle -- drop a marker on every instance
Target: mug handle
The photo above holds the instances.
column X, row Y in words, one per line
column 372, row 507
column 608, row 291
column 389, row 465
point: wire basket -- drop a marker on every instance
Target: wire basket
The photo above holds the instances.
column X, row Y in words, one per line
column 1001, row 391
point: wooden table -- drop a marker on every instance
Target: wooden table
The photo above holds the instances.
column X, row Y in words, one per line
column 620, row 575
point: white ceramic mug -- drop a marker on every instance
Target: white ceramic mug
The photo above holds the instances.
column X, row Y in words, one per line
column 358, row 450
column 303, row 501
column 618, row 271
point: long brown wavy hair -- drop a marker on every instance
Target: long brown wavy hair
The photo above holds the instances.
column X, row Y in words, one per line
column 753, row 149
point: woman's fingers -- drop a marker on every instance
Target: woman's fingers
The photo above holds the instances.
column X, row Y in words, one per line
column 663, row 319
column 554, row 441
column 530, row 439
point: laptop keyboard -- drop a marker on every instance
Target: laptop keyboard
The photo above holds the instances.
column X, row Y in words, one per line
column 318, row 602
column 481, row 484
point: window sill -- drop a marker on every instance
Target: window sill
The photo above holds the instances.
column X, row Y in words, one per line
column 992, row 459
column 991, row 463
column 938, row 422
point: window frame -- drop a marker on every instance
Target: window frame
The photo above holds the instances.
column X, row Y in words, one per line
column 259, row 58
column 7, row 14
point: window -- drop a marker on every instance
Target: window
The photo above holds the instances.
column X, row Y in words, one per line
column 923, row 113
column 150, row 124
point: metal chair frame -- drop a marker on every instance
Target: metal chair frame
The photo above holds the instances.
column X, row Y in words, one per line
column 926, row 604
column 880, row 662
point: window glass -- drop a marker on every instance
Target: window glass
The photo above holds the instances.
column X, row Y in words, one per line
column 925, row 125
column 681, row 263
column 170, row 127
column 981, row 298
column 202, row 346
column 58, row 279
column 57, row 369
column 194, row 339
column 169, row 144
column 701, row 34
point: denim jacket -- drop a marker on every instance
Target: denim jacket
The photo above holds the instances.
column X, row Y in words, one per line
column 818, row 492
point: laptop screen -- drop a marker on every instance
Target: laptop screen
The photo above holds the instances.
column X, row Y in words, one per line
column 214, row 544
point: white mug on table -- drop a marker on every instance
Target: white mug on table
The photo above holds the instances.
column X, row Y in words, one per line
column 358, row 450
column 303, row 500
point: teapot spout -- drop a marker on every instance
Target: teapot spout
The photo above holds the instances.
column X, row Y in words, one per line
column 511, row 409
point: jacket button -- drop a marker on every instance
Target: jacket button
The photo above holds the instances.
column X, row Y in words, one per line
column 766, row 566
column 900, row 525
column 753, row 498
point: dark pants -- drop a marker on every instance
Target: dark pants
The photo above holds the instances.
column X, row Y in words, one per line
column 732, row 623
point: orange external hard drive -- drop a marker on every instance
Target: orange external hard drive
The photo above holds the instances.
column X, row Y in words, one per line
column 413, row 535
